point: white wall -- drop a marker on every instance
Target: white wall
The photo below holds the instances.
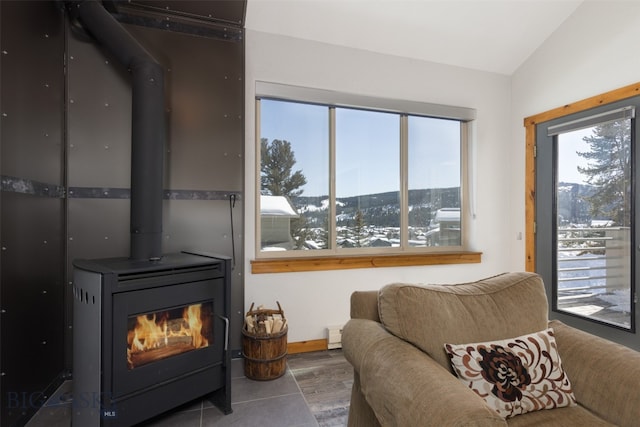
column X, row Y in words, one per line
column 596, row 50
column 314, row 300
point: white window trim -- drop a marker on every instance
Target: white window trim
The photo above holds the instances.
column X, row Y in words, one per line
column 283, row 92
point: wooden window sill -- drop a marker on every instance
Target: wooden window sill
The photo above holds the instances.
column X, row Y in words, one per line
column 290, row 265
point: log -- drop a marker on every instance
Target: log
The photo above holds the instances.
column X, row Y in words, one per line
column 148, row 356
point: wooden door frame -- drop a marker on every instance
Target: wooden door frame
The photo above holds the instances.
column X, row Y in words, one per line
column 530, row 161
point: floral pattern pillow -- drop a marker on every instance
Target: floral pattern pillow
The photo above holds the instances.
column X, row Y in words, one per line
column 514, row 376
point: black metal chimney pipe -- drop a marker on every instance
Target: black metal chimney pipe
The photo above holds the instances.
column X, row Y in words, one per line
column 148, row 127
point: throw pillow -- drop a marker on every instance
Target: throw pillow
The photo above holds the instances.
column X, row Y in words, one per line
column 514, row 376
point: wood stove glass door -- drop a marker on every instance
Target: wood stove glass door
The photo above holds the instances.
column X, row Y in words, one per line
column 166, row 332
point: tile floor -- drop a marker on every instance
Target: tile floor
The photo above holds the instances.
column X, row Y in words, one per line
column 276, row 403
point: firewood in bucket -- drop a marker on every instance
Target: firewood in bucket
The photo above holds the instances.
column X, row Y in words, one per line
column 277, row 325
column 250, row 323
column 264, row 322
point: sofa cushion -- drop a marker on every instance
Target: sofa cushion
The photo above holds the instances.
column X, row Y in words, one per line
column 499, row 307
column 514, row 376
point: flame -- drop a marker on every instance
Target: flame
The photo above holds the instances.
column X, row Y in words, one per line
column 148, row 334
column 155, row 330
column 193, row 318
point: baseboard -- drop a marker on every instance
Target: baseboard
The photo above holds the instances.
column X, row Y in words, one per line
column 307, row 346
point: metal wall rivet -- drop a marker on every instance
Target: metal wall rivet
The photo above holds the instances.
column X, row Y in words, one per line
column 106, row 147
column 43, row 343
column 71, row 101
column 4, row 248
column 4, row 115
column 71, row 57
column 70, row 238
column 46, row 36
column 4, row 52
column 106, row 104
column 46, row 85
column 45, row 242
column 44, row 292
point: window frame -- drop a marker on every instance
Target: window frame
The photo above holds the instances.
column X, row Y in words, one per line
column 340, row 258
column 533, row 125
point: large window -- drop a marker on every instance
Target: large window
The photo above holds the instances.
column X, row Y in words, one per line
column 339, row 178
column 586, row 216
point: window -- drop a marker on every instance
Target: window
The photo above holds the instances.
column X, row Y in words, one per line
column 342, row 174
column 586, row 170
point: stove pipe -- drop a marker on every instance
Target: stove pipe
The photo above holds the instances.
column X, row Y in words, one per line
column 148, row 127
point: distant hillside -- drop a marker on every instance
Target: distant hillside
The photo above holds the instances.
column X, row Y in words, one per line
column 572, row 207
column 381, row 209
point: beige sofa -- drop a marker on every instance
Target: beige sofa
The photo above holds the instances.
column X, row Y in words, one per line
column 395, row 342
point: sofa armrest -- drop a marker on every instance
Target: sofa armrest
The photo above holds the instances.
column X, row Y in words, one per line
column 403, row 385
column 604, row 375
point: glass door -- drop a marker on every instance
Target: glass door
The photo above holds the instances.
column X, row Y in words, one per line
column 593, row 202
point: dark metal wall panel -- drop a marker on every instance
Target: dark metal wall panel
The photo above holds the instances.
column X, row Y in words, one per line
column 33, row 90
column 231, row 12
column 203, row 225
column 32, row 303
column 205, row 98
column 204, row 172
column 98, row 228
column 99, row 118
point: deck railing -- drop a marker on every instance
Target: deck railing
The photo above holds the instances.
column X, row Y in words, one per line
column 592, row 260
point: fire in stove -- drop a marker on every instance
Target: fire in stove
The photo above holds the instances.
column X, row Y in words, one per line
column 161, row 334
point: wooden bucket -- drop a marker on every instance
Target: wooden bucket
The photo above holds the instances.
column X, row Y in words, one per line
column 265, row 355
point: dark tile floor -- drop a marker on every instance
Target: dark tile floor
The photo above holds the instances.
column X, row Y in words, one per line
column 313, row 392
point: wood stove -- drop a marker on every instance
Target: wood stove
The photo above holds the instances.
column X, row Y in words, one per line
column 150, row 332
column 149, row 336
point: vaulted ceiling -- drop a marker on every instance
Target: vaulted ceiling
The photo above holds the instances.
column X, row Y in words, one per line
column 488, row 35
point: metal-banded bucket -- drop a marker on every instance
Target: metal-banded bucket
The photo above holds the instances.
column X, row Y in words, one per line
column 265, row 357
column 264, row 343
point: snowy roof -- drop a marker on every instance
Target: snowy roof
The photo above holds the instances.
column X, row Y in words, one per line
column 448, row 214
column 277, row 206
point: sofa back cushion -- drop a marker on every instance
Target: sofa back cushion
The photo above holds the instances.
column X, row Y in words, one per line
column 499, row 307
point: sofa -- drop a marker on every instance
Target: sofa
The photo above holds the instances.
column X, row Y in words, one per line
column 405, row 376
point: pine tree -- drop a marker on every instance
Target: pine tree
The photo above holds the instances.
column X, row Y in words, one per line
column 609, row 171
column 276, row 176
column 277, row 179
column 358, row 229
